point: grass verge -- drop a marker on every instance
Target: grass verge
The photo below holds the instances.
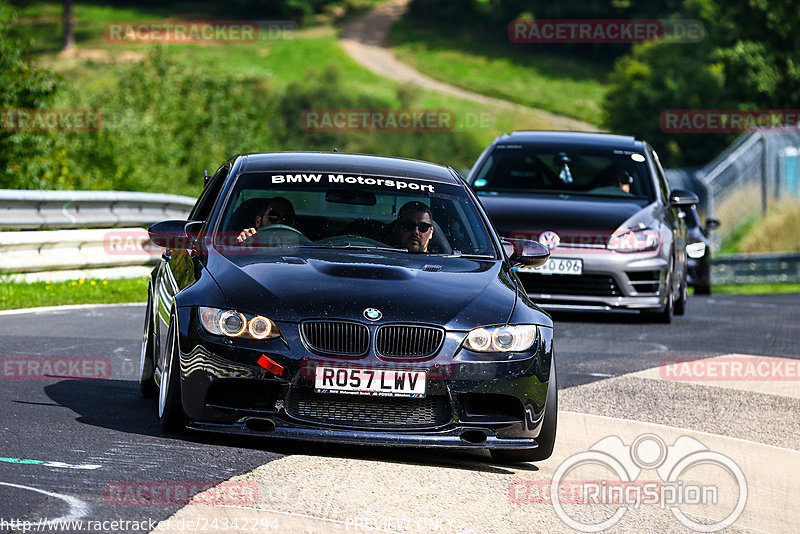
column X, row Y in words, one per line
column 15, row 295
column 561, row 85
column 755, row 289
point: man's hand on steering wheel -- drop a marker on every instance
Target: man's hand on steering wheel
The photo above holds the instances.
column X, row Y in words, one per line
column 244, row 234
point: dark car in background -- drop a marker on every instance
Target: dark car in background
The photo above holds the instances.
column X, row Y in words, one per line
column 698, row 250
column 602, row 205
column 320, row 326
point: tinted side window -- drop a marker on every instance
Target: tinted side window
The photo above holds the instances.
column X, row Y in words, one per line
column 202, row 209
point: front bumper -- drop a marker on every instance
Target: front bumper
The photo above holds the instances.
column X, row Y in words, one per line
column 610, row 280
column 481, row 403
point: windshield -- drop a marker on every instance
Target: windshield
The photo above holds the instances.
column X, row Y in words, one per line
column 591, row 171
column 269, row 210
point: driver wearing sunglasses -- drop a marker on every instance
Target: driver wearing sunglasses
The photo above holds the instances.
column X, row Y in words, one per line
column 413, row 228
column 277, row 210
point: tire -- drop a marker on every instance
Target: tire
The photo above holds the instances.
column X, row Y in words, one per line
column 680, row 304
column 170, row 405
column 547, row 436
column 704, row 289
column 147, row 383
column 665, row 316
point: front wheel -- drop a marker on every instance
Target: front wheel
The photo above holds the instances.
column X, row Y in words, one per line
column 665, row 315
column 170, row 406
column 547, row 436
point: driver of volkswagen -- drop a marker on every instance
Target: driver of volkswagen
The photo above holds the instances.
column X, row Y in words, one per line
column 278, row 210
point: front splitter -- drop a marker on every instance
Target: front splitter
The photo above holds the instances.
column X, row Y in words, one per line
column 459, row 438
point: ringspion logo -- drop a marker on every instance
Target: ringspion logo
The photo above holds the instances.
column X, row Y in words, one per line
column 692, row 481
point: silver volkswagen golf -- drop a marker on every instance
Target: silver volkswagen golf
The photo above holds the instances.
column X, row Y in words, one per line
column 602, row 205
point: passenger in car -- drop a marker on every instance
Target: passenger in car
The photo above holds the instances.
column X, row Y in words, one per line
column 278, row 210
column 612, row 178
column 413, row 227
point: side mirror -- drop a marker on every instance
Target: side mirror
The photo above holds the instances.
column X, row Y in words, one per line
column 526, row 252
column 175, row 234
column 712, row 224
column 682, row 198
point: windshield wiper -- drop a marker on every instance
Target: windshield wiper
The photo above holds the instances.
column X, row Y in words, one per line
column 474, row 256
column 352, row 247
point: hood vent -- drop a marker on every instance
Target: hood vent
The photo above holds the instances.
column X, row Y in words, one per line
column 432, row 268
column 293, row 260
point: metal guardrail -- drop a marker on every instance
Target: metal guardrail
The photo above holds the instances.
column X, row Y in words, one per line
column 56, row 250
column 756, row 268
column 755, row 171
column 80, row 229
column 32, row 209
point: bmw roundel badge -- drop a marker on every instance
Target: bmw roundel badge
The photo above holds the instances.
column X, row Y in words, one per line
column 372, row 314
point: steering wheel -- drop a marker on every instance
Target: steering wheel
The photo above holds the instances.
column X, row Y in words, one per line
column 281, row 234
column 352, row 239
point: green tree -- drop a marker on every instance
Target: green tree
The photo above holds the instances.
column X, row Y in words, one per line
column 748, row 60
column 24, row 155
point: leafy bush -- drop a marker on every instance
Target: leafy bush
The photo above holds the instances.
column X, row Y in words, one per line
column 164, row 124
column 23, row 155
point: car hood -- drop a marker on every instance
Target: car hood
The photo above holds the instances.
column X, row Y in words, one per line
column 528, row 215
column 457, row 293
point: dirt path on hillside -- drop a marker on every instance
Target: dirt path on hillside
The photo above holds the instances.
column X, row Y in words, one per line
column 365, row 39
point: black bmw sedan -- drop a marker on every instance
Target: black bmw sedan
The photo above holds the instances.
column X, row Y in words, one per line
column 601, row 204
column 352, row 299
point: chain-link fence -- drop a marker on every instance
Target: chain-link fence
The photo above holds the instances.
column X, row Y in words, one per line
column 758, row 169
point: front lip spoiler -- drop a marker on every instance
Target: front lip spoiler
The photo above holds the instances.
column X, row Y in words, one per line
column 445, row 439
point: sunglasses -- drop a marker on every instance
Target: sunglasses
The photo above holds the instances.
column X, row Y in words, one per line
column 409, row 226
column 276, row 216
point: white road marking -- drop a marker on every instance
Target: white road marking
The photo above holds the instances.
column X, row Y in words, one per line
column 69, row 307
column 77, row 508
column 45, row 463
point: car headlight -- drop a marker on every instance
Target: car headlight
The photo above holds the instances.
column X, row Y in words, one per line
column 232, row 323
column 511, row 338
column 634, row 241
column 696, row 250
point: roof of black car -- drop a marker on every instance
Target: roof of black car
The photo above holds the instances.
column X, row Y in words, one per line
column 347, row 163
column 570, row 138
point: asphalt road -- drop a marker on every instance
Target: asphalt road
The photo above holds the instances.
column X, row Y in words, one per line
column 66, row 442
